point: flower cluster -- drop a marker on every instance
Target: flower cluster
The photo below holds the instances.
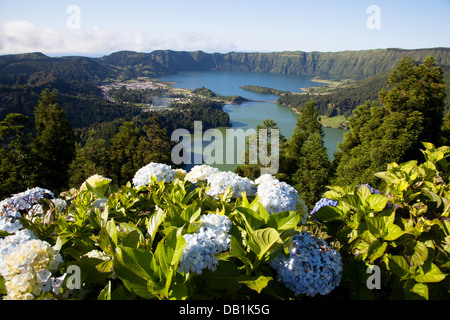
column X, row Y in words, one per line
column 311, row 268
column 10, row 209
column 160, row 171
column 96, row 181
column 324, row 202
column 218, row 183
column 26, row 265
column 201, row 173
column 276, row 196
column 211, row 238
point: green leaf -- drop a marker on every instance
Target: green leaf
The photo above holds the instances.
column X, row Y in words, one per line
column 377, row 202
column 257, row 283
column 376, row 250
column 251, row 218
column 420, row 254
column 105, row 294
column 421, row 290
column 393, row 232
column 111, row 230
column 415, row 291
column 378, row 225
column 284, row 220
column 154, row 222
column 399, row 266
column 364, row 192
column 105, row 266
column 133, row 267
column 430, row 273
column 175, row 245
column 191, row 212
column 236, row 251
column 263, row 240
column 386, row 176
column 328, row 213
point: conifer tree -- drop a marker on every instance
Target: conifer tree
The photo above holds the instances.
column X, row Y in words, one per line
column 16, row 166
column 132, row 148
column 306, row 164
column 410, row 112
column 53, row 145
column 90, row 159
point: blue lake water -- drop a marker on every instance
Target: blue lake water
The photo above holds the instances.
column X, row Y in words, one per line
column 250, row 114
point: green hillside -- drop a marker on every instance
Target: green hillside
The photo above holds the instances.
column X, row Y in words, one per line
column 127, row 64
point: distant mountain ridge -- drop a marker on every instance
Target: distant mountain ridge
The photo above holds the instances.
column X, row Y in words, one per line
column 123, row 65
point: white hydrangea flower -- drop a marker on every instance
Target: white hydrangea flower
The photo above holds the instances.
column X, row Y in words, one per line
column 160, row 171
column 95, row 181
column 9, row 243
column 200, row 173
column 211, row 238
column 221, row 181
column 276, row 196
column 26, row 265
column 97, row 254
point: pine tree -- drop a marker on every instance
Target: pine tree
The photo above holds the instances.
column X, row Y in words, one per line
column 53, row 145
column 313, row 171
column 306, row 165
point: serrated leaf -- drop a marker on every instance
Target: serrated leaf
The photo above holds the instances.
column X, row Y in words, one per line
column 257, row 283
column 283, row 220
column 251, row 218
column 399, row 266
column 420, row 254
column 379, row 225
column 133, row 267
column 377, row 202
column 393, row 232
column 263, row 240
column 431, row 273
column 376, row 250
column 328, row 213
column 105, row 266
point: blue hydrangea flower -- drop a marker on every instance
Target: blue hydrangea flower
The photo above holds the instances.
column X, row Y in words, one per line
column 311, row 268
column 11, row 208
column 211, row 238
column 324, row 202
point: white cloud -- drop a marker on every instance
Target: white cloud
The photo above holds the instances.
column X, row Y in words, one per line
column 19, row 36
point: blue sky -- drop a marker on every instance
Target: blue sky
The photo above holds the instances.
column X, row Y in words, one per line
column 99, row 27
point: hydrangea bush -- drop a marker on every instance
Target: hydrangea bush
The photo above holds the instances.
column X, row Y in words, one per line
column 404, row 230
column 203, row 234
column 167, row 234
